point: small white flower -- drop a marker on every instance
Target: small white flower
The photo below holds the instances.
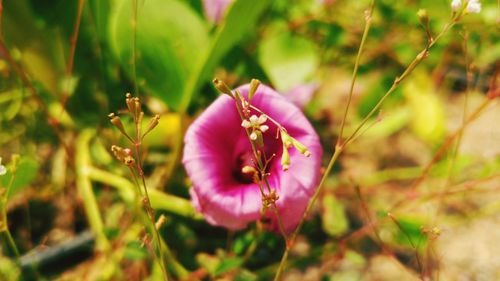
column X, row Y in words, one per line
column 3, row 170
column 254, row 119
column 255, row 124
column 246, row 124
column 456, row 5
column 474, row 6
column 262, row 119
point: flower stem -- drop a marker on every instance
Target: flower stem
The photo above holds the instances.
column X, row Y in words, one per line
column 368, row 20
column 134, row 46
column 261, row 165
column 84, row 186
column 147, row 203
column 416, row 61
column 10, row 242
column 281, row 267
column 340, row 146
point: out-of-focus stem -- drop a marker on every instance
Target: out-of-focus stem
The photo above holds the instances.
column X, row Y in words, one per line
column 341, row 145
column 84, row 186
column 284, row 258
column 10, row 242
column 134, row 45
column 159, row 200
column 416, row 61
column 71, row 56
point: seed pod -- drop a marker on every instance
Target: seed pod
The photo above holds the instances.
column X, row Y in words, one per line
column 222, row 87
column 285, row 159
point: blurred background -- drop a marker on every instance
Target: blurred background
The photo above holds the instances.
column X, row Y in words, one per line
column 415, row 196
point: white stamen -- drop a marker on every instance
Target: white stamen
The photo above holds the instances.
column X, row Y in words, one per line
column 264, row 128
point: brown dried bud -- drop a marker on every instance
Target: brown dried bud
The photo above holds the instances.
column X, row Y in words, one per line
column 152, row 124
column 130, row 103
column 137, row 109
column 115, row 120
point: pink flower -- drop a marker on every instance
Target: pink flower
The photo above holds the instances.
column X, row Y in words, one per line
column 217, row 148
column 215, row 9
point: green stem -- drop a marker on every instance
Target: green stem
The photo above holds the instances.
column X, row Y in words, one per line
column 341, row 146
column 150, row 214
column 261, row 166
column 134, row 46
column 84, row 187
column 356, row 66
column 10, row 242
column 159, row 200
column 416, row 61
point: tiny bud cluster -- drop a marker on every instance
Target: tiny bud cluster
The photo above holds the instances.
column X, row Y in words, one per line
column 135, row 111
column 123, row 155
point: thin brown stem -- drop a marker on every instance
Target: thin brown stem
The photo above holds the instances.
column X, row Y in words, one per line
column 365, row 209
column 417, row 255
column 261, row 166
column 341, row 146
column 71, row 56
column 54, row 124
column 308, row 209
column 413, row 64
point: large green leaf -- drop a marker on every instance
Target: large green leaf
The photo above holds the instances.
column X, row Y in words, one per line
column 170, row 39
column 26, row 172
column 240, row 19
column 288, row 60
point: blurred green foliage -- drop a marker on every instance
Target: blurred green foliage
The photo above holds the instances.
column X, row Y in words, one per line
column 167, row 52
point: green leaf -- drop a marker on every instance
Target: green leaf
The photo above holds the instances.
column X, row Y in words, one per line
column 288, row 60
column 409, row 228
column 240, row 19
column 228, row 264
column 26, row 172
column 170, row 38
column 246, row 275
column 334, row 219
column 209, row 262
column 241, row 243
column 134, row 251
